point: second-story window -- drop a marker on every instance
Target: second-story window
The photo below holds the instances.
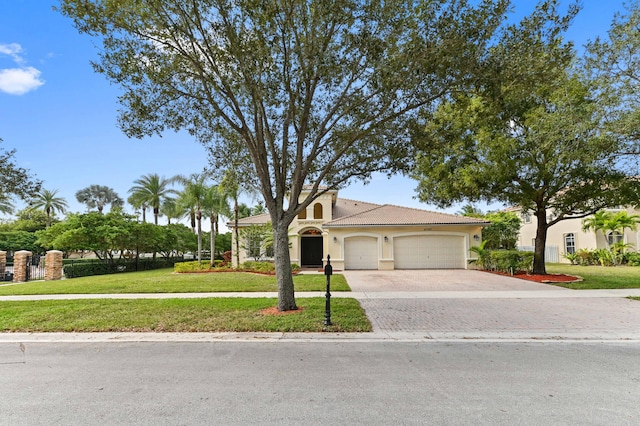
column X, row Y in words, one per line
column 317, row 211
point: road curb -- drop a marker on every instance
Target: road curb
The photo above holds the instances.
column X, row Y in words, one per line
column 425, row 337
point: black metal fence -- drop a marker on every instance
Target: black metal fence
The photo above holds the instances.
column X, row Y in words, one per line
column 35, row 269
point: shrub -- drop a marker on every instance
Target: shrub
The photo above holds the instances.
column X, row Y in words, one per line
column 571, row 257
column 632, row 258
column 87, row 268
column 255, row 266
column 606, row 257
column 507, row 261
column 194, row 266
column 586, row 257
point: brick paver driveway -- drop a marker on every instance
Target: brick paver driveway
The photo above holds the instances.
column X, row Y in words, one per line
column 475, row 304
column 438, row 280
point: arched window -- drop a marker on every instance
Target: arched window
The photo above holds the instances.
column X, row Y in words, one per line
column 614, row 237
column 569, row 243
column 317, row 211
column 303, row 214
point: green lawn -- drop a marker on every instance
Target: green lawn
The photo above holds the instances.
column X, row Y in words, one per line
column 165, row 281
column 178, row 315
column 598, row 277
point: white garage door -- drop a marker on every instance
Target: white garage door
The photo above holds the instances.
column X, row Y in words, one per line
column 429, row 252
column 361, row 253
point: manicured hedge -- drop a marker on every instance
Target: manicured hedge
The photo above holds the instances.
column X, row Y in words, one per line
column 249, row 266
column 96, row 267
column 196, row 266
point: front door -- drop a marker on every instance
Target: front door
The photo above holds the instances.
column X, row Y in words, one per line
column 312, row 251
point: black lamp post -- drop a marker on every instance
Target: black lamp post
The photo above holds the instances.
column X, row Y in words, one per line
column 328, row 270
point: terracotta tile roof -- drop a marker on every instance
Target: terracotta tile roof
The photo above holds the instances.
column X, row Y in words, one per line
column 359, row 213
column 260, row 219
column 345, row 207
column 390, row 215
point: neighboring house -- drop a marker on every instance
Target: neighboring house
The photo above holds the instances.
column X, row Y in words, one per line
column 360, row 235
column 569, row 237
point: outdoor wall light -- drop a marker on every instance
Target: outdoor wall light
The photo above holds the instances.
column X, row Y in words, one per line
column 476, row 237
column 386, row 240
column 335, row 239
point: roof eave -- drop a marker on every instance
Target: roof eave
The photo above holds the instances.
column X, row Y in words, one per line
column 326, row 225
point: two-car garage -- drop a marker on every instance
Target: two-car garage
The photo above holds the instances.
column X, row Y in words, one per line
column 409, row 252
column 429, row 252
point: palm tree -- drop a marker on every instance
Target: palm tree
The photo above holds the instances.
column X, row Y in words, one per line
column 259, row 209
column 193, row 197
column 138, row 205
column 171, row 209
column 609, row 222
column 621, row 221
column 215, row 205
column 5, row 205
column 97, row 196
column 151, row 190
column 50, row 203
column 469, row 210
column 597, row 222
column 231, row 185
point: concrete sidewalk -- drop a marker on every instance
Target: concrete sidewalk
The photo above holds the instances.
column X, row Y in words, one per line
column 420, row 306
column 359, row 295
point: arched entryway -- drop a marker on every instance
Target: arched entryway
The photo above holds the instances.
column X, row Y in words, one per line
column 311, row 248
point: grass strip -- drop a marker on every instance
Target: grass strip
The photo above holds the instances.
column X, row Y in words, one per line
column 166, row 281
column 598, row 277
column 178, row 315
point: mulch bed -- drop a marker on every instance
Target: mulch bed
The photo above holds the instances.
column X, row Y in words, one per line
column 541, row 278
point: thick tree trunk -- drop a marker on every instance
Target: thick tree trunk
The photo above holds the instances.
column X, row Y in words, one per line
column 286, row 294
column 539, row 266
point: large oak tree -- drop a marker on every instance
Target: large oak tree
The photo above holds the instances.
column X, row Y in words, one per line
column 318, row 91
column 614, row 62
column 531, row 133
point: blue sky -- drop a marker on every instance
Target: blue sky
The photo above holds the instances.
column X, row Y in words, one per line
column 61, row 116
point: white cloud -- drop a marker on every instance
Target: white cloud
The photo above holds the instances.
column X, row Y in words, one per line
column 18, row 81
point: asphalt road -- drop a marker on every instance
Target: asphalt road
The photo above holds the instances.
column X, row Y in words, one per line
column 308, row 383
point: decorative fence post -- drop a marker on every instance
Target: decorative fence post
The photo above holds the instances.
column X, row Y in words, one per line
column 53, row 265
column 21, row 265
column 328, row 271
column 3, row 264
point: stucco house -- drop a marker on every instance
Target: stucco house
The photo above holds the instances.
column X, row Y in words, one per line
column 567, row 235
column 361, row 235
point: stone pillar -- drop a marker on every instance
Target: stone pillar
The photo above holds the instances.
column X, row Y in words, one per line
column 3, row 264
column 20, row 266
column 53, row 265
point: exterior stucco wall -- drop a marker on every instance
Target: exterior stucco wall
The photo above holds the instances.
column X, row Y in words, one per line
column 583, row 240
column 335, row 239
